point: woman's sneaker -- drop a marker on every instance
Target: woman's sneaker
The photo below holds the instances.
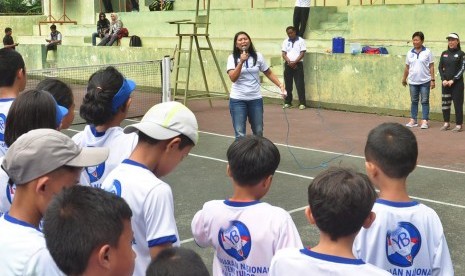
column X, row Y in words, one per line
column 412, row 123
column 424, row 124
column 457, row 129
column 445, row 127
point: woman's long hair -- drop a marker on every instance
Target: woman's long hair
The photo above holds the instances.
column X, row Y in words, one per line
column 237, row 52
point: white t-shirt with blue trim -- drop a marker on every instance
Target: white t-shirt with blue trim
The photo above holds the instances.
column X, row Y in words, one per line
column 5, row 105
column 244, row 235
column 294, row 261
column 120, row 144
column 23, row 250
column 151, row 202
column 293, row 48
column 247, row 86
column 406, row 238
column 7, row 192
column 419, row 63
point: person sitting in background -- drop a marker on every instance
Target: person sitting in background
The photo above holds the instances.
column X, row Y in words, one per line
column 112, row 36
column 8, row 41
column 174, row 261
column 54, row 39
column 103, row 27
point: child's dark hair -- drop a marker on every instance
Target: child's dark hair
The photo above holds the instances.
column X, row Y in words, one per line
column 32, row 109
column 8, row 29
column 251, row 159
column 420, row 35
column 393, row 148
column 80, row 219
column 59, row 90
column 290, row 28
column 185, row 141
column 176, row 261
column 237, row 52
column 340, row 200
column 10, row 63
column 96, row 108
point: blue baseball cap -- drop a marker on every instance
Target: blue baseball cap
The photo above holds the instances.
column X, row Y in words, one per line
column 60, row 113
column 123, row 94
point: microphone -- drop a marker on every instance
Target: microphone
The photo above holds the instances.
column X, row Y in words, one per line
column 244, row 51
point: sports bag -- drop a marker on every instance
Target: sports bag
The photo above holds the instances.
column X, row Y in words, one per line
column 135, row 41
column 374, row 51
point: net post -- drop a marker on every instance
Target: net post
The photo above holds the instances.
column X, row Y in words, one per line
column 166, row 73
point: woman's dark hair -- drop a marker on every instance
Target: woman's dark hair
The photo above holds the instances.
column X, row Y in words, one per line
column 237, row 52
column 59, row 90
column 96, row 108
column 32, row 109
column 100, row 16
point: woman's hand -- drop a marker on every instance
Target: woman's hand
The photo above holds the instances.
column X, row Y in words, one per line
column 244, row 56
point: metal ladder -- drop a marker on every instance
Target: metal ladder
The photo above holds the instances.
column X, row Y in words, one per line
column 199, row 30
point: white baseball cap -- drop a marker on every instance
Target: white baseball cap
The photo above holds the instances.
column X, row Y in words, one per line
column 453, row 35
column 167, row 120
column 41, row 151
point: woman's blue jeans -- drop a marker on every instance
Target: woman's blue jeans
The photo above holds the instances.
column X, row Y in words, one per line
column 417, row 90
column 241, row 110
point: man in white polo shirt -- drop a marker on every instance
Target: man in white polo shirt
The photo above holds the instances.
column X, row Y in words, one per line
column 419, row 67
column 293, row 52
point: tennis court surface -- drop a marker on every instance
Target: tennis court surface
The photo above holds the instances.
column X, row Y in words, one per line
column 316, row 139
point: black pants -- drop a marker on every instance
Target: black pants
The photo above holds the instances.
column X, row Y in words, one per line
column 296, row 75
column 453, row 94
column 300, row 20
column 108, row 5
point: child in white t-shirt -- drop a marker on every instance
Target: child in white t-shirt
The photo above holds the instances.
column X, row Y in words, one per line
column 340, row 202
column 244, row 231
column 104, row 107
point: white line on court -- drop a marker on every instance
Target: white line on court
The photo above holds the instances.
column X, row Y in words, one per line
column 224, row 161
column 337, row 153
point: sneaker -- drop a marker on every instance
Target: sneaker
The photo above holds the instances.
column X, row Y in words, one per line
column 445, row 127
column 287, row 106
column 302, row 107
column 424, row 124
column 457, row 129
column 412, row 123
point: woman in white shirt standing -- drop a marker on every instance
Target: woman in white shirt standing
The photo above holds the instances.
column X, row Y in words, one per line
column 243, row 67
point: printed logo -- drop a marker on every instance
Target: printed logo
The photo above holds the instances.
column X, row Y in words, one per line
column 2, row 126
column 10, row 192
column 95, row 173
column 116, row 188
column 235, row 240
column 403, row 244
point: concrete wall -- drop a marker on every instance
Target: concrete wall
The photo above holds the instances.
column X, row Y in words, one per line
column 362, row 83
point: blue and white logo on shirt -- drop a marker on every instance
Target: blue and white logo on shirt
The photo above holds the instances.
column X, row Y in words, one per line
column 116, row 188
column 10, row 192
column 403, row 244
column 236, row 240
column 2, row 126
column 95, row 173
